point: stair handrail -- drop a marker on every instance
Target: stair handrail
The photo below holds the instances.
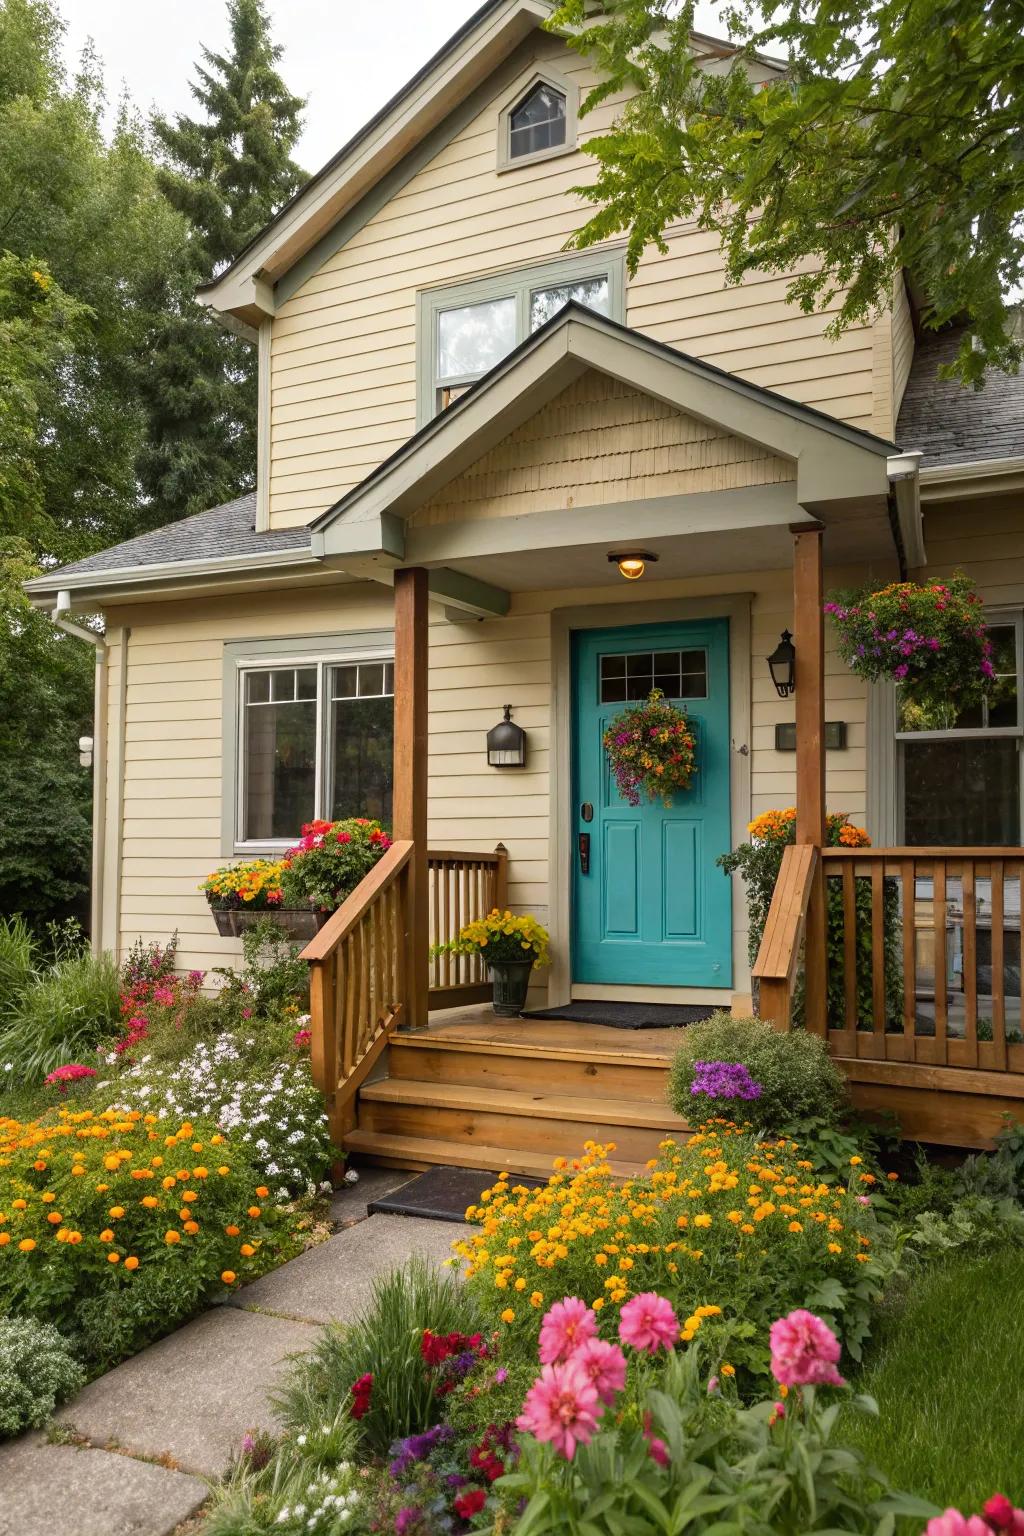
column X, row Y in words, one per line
column 358, row 964
column 778, row 958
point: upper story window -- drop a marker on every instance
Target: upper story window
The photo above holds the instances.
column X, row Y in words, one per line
column 538, row 119
column 538, row 123
column 465, row 330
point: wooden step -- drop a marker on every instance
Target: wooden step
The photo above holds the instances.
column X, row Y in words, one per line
column 421, row 1153
column 551, row 1124
column 486, row 1065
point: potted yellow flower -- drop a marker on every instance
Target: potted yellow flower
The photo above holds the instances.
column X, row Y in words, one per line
column 511, row 946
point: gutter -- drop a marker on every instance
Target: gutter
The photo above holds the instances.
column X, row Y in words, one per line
column 975, row 477
column 99, row 759
column 904, row 471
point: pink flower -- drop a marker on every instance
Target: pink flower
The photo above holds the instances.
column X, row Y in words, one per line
column 1002, row 1516
column 953, row 1523
column 805, row 1351
column 605, row 1364
column 566, row 1326
column 649, row 1323
column 562, row 1406
column 656, row 1448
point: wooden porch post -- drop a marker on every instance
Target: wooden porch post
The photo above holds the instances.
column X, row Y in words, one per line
column 409, row 814
column 809, row 640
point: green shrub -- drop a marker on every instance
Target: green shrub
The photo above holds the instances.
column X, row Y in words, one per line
column 65, row 1014
column 798, row 1079
column 118, row 1229
column 385, row 1343
column 17, row 961
column 273, row 980
column 37, row 1372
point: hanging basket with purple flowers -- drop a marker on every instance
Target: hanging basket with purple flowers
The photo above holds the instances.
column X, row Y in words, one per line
column 651, row 749
column 931, row 638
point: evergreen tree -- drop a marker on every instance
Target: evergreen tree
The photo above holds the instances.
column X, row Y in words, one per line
column 227, row 171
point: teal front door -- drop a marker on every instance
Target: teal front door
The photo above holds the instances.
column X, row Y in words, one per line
column 650, row 907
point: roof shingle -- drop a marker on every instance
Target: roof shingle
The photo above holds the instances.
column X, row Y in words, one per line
column 954, row 425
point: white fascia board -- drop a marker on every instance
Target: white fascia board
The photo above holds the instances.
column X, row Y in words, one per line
column 978, row 477
column 326, row 199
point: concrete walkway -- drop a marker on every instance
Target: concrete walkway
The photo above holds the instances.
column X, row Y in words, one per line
column 151, row 1434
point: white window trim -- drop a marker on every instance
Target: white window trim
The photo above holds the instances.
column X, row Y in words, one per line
column 514, row 282
column 266, row 656
column 566, row 88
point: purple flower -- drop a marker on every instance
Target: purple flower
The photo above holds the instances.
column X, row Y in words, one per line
column 724, row 1080
column 500, row 1375
column 407, row 1519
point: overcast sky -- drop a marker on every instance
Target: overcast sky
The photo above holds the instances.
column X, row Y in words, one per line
column 347, row 56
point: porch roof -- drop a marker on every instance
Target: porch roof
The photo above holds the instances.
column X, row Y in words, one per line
column 841, row 474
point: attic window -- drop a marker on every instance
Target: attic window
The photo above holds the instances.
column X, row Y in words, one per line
column 538, row 123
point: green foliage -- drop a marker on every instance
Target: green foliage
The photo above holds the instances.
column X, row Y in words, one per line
column 727, row 1470
column 68, row 1011
column 799, row 1081
column 946, row 1365
column 302, row 1487
column 37, row 1372
column 226, row 171
column 385, row 1343
column 890, row 141
column 17, row 960
column 273, row 980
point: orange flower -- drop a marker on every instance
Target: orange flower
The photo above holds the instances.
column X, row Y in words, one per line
column 232, row 1231
column 26, row 1245
column 172, row 1237
column 5, row 1238
column 55, row 1218
column 247, row 1249
column 228, row 1277
column 254, row 1212
column 150, row 1202
column 131, row 1262
column 113, row 1258
column 116, row 1212
column 190, row 1195
column 262, row 1192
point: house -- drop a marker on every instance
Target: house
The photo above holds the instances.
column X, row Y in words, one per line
column 464, row 430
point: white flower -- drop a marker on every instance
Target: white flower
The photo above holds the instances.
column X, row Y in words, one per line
column 351, row 1176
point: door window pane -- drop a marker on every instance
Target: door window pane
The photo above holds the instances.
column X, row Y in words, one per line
column 679, row 675
column 279, row 750
column 962, row 793
column 472, row 339
column 545, row 302
column 537, row 123
column 362, row 739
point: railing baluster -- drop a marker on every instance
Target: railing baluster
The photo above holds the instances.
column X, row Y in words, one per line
column 970, row 958
column 909, row 882
column 941, row 990
column 998, row 968
column 878, row 956
column 850, row 944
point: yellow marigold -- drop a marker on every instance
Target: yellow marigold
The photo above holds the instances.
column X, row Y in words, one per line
column 835, row 1247
column 536, row 1298
column 106, row 1236
column 247, row 1249
column 116, row 1212
column 703, row 1220
column 5, row 1238
column 794, row 1226
column 150, row 1202
column 508, row 1316
column 27, row 1244
column 725, row 1369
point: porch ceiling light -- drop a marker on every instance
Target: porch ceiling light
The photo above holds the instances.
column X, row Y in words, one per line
column 632, row 562
column 782, row 665
column 506, row 743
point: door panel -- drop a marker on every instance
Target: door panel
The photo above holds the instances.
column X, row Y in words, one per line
column 654, row 910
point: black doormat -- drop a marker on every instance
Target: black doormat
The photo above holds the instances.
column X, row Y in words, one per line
column 443, row 1194
column 627, row 1015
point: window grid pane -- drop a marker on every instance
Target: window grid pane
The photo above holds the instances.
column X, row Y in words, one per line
column 538, row 123
column 631, row 677
column 593, row 292
column 279, row 747
column 473, row 337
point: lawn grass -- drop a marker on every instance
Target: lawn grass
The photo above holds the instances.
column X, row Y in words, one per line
column 947, row 1375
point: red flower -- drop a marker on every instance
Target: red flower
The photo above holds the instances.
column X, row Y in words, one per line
column 470, row 1503
column 362, row 1391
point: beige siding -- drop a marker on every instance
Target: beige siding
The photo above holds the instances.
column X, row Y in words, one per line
column 173, row 748
column 597, row 442
column 902, row 344
column 985, row 539
column 343, row 347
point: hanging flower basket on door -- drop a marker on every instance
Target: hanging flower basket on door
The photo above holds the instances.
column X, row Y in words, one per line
column 510, row 947
column 929, row 637
column 651, row 749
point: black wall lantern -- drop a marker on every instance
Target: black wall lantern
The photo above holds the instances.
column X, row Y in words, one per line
column 782, row 665
column 506, row 743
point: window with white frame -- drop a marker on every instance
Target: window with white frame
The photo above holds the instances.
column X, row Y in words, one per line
column 314, row 740
column 465, row 331
column 960, row 773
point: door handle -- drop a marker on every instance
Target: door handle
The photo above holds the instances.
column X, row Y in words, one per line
column 584, row 846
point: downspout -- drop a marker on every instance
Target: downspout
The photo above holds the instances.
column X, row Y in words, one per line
column 99, row 759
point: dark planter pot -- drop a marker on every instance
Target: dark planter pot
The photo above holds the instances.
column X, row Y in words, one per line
column 511, row 982
column 297, row 922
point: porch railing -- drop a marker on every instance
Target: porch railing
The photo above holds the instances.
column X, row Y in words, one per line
column 922, row 954
column 462, row 888
column 358, row 963
column 931, row 958
column 357, row 983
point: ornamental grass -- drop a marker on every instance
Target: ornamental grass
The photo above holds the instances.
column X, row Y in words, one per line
column 730, row 1229
column 116, row 1228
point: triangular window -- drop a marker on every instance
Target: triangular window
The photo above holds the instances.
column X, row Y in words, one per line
column 537, row 123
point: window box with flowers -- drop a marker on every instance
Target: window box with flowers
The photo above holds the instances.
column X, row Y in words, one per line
column 301, row 890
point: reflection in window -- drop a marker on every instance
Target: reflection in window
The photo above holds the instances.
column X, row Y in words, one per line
column 962, row 792
column 279, row 736
column 470, row 340
column 538, row 123
column 679, row 675
column 998, row 711
column 545, row 302
column 362, row 738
